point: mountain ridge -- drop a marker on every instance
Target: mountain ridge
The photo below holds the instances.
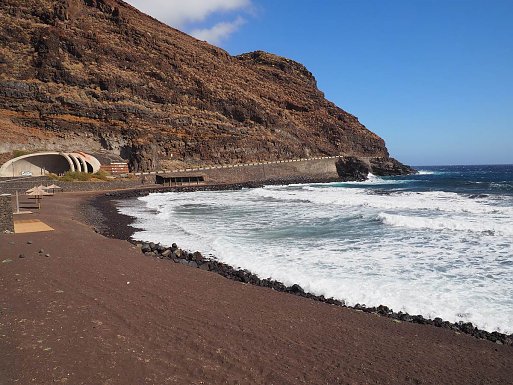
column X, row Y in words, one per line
column 99, row 74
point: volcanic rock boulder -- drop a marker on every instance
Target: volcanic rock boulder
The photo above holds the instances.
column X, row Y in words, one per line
column 389, row 166
column 352, row 169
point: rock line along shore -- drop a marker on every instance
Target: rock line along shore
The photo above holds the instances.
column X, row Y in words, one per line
column 110, row 226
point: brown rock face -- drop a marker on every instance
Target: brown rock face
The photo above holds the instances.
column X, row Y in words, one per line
column 351, row 168
column 98, row 74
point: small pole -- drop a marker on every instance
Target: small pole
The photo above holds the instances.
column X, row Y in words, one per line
column 17, row 203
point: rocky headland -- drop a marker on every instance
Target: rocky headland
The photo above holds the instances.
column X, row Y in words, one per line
column 100, row 75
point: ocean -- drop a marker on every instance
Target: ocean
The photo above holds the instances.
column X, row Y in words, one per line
column 439, row 243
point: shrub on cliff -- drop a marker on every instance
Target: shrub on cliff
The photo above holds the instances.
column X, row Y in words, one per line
column 81, row 176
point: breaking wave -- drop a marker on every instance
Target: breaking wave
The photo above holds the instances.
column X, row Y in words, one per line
column 410, row 244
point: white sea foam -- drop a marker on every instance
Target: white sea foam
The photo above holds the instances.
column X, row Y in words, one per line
column 428, row 201
column 485, row 227
column 438, row 254
column 426, row 172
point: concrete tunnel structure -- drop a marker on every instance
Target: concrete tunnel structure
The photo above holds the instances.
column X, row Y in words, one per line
column 43, row 163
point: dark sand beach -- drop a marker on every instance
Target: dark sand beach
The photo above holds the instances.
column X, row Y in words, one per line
column 97, row 311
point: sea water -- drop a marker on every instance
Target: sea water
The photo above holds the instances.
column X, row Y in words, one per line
column 439, row 243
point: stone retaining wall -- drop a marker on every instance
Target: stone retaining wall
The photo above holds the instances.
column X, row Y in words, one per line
column 309, row 169
column 6, row 214
column 267, row 172
column 20, row 185
column 293, row 171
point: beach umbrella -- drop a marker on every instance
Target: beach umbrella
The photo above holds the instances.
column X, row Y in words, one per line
column 38, row 192
column 40, row 187
column 53, row 187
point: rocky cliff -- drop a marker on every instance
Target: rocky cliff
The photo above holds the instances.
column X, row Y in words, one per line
column 99, row 74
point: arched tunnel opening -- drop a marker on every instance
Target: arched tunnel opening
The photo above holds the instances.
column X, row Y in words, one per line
column 39, row 164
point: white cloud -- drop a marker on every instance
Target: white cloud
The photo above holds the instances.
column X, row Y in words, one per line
column 178, row 13
column 219, row 32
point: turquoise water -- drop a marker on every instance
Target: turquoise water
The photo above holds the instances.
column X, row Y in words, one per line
column 439, row 243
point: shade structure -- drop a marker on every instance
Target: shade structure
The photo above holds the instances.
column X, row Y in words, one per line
column 53, row 187
column 40, row 187
column 37, row 191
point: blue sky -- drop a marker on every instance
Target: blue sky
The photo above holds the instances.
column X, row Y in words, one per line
column 433, row 78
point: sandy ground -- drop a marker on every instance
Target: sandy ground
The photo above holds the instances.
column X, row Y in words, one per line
column 30, row 226
column 97, row 311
